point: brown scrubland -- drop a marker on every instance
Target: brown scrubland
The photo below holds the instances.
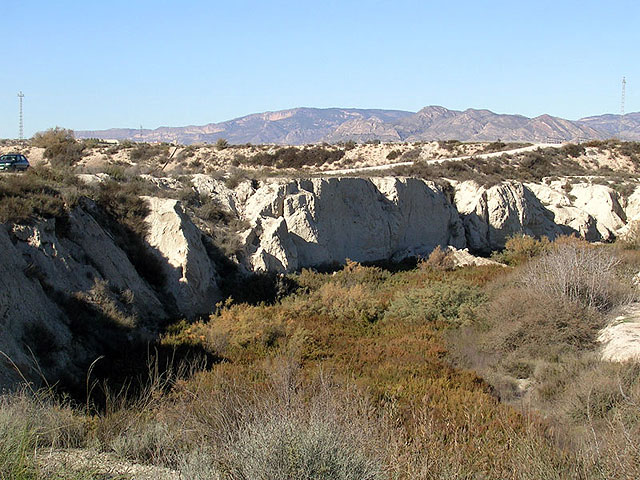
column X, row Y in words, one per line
column 412, row 370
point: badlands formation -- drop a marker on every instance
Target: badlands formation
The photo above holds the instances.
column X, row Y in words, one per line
column 52, row 272
column 305, row 223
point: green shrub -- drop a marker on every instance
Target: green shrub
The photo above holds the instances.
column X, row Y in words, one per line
column 411, row 155
column 25, row 196
column 520, row 249
column 116, row 173
column 449, row 145
column 293, row 157
column 446, row 303
column 144, row 152
column 349, row 145
column 222, row 144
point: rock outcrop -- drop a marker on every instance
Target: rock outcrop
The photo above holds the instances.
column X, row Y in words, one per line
column 312, row 222
column 491, row 215
column 68, row 291
column 620, row 339
column 303, row 223
column 190, row 276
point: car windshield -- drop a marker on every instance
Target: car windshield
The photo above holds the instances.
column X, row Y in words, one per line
column 8, row 158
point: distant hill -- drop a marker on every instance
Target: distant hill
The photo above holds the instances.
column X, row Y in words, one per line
column 610, row 125
column 311, row 125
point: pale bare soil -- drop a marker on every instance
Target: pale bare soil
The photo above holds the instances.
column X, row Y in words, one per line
column 621, row 338
column 105, row 465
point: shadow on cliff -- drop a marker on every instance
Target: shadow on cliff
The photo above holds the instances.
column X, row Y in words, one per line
column 247, row 287
column 483, row 238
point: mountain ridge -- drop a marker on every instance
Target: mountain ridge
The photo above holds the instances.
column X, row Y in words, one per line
column 304, row 125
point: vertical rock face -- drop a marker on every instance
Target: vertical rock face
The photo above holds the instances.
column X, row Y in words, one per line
column 26, row 312
column 300, row 223
column 603, row 204
column 491, row 215
column 571, row 219
column 190, row 276
column 320, row 221
column 68, row 291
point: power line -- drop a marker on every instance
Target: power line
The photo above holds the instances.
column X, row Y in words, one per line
column 624, row 88
column 20, row 124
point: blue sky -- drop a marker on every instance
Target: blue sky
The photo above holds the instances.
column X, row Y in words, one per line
column 94, row 65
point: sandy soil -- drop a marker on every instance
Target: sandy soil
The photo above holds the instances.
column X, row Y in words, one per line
column 621, row 338
column 78, row 460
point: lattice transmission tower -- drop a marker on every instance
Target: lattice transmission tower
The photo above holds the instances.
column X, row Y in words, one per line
column 20, row 123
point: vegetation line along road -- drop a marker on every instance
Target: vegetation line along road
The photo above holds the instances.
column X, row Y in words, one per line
column 388, row 166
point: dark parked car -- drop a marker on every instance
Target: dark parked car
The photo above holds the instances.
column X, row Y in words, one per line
column 13, row 162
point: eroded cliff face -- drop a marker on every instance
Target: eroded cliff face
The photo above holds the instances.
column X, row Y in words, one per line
column 303, row 223
column 321, row 221
column 69, row 293
column 189, row 273
column 68, row 290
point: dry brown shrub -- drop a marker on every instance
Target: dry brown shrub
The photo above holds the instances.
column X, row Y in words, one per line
column 578, row 272
column 439, row 259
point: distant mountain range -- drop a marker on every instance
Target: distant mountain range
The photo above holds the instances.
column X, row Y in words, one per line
column 312, row 125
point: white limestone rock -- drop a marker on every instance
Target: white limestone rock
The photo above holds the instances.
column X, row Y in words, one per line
column 27, row 314
column 491, row 215
column 603, row 204
column 189, row 272
column 463, row 258
column 576, row 220
column 321, row 221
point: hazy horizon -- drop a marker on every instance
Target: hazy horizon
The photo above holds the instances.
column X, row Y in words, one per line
column 91, row 67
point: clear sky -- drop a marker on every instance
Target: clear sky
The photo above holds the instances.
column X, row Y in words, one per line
column 100, row 64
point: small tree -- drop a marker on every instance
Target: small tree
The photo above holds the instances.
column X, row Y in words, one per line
column 221, row 144
column 61, row 147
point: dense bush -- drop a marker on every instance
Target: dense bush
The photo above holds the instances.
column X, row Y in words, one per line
column 61, row 147
column 519, row 249
column 393, row 154
column 144, row 152
column 445, row 303
column 39, row 192
column 531, row 166
column 411, row 155
column 292, row 157
column 222, row 144
column 449, row 145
